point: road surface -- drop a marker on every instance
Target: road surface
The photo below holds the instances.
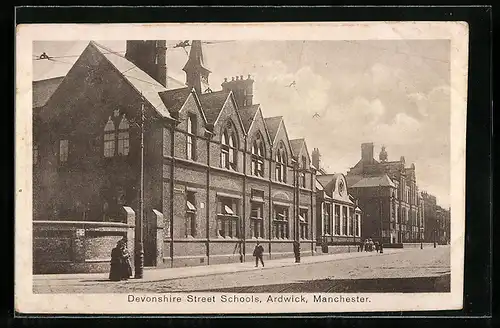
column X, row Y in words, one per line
column 414, row 270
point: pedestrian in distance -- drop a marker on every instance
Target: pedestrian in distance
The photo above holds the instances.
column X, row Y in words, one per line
column 376, row 246
column 366, row 245
column 258, row 251
column 121, row 268
column 296, row 251
column 360, row 246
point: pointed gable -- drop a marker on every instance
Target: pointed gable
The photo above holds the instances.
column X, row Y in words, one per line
column 272, row 124
column 212, row 104
column 248, row 114
column 297, row 145
column 175, row 98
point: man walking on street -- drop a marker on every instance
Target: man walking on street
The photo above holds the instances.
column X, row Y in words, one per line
column 257, row 252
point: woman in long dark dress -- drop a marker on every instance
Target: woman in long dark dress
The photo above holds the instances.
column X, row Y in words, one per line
column 125, row 256
column 115, row 273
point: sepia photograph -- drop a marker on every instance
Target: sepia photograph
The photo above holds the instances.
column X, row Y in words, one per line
column 263, row 168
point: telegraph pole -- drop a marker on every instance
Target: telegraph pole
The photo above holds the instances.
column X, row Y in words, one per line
column 139, row 247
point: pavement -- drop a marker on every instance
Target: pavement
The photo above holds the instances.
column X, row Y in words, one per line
column 163, row 274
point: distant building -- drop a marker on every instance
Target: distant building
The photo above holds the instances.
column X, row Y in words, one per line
column 437, row 220
column 388, row 195
column 337, row 214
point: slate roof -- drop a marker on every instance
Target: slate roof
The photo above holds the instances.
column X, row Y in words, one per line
column 319, row 186
column 296, row 145
column 175, row 98
column 43, row 89
column 212, row 103
column 325, row 179
column 272, row 124
column 247, row 115
column 140, row 80
column 366, row 182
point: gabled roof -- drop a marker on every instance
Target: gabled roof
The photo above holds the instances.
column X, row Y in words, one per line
column 248, row 114
column 319, row 186
column 273, row 124
column 296, row 145
column 326, row 179
column 138, row 79
column 212, row 104
column 376, row 181
column 43, row 90
column 175, row 98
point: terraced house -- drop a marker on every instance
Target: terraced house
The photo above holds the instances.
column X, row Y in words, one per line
column 216, row 175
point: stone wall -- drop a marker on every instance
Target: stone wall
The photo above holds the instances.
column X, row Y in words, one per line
column 77, row 246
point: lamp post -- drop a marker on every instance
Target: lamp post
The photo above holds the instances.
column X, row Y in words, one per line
column 381, row 218
column 139, row 247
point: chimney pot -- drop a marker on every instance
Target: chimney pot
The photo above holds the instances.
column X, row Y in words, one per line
column 249, row 76
column 232, row 78
column 241, row 77
column 225, row 79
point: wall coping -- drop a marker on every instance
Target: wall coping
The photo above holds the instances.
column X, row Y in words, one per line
column 82, row 224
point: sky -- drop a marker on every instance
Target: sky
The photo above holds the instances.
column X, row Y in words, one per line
column 390, row 92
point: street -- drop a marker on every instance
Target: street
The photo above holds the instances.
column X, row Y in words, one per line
column 412, row 270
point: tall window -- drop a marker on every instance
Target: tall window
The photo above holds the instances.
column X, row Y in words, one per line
column 258, row 157
column 191, row 137
column 337, row 219
column 303, row 222
column 228, row 149
column 351, row 221
column 303, row 172
column 280, row 222
column 227, row 218
column 123, row 137
column 63, row 151
column 256, row 220
column 35, row 154
column 344, row 220
column 281, row 164
column 109, row 139
column 326, row 218
column 190, row 214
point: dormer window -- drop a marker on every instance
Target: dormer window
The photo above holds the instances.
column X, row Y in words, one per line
column 258, row 157
column 303, row 172
column 191, row 138
column 228, row 149
column 280, row 170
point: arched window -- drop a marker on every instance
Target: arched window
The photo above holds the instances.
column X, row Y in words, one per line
column 228, row 148
column 123, row 138
column 303, row 172
column 258, row 156
column 281, row 164
column 109, row 139
column 191, row 137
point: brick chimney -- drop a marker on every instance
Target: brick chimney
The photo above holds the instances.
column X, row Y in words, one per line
column 316, row 158
column 241, row 88
column 150, row 56
column 367, row 152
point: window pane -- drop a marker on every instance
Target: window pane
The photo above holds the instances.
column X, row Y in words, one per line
column 35, row 154
column 63, row 150
column 123, row 143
